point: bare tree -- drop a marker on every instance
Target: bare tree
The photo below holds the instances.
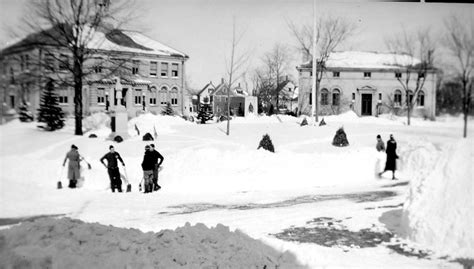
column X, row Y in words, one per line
column 459, row 39
column 276, row 63
column 331, row 32
column 234, row 68
column 414, row 53
column 65, row 31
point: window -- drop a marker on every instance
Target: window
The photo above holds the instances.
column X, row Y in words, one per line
column 420, row 100
column 397, row 99
column 163, row 95
column 152, row 96
column 324, row 97
column 367, row 74
column 398, row 75
column 62, row 99
column 24, row 62
column 310, row 73
column 335, row 97
column 380, row 96
column 138, row 96
column 63, row 62
column 310, row 98
column 135, row 66
column 98, row 69
column 174, row 96
column 335, row 74
column 12, row 101
column 27, row 62
column 101, row 96
column 174, row 70
column 153, row 69
column 49, row 62
column 353, row 96
column 164, row 69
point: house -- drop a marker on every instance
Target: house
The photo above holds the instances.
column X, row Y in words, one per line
column 241, row 103
column 367, row 83
column 151, row 73
column 288, row 95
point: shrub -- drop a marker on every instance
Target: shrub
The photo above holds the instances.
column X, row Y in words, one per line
column 340, row 139
column 304, row 122
column 92, row 136
column 266, row 143
column 148, row 137
column 322, row 122
column 118, row 139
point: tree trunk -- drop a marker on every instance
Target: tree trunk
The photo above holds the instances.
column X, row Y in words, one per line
column 78, row 96
column 408, row 115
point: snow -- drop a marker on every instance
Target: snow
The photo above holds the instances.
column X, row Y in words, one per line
column 439, row 210
column 368, row 59
column 211, row 178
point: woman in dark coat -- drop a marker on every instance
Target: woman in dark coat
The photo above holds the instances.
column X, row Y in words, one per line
column 391, row 163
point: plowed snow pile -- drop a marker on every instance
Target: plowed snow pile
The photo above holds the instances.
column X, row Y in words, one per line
column 439, row 211
column 68, row 243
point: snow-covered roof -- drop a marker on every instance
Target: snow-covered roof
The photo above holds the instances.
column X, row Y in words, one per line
column 366, row 59
column 98, row 39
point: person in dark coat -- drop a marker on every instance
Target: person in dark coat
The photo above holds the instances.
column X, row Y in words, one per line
column 112, row 168
column 148, row 165
column 158, row 160
column 391, row 163
column 73, row 169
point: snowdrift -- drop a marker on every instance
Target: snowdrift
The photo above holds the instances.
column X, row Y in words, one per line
column 439, row 210
column 68, row 243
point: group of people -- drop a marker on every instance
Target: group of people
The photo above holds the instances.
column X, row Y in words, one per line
column 391, row 151
column 151, row 163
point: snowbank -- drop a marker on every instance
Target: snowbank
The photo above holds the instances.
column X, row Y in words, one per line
column 439, row 210
column 68, row 243
column 148, row 123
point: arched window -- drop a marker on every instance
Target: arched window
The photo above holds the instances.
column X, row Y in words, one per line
column 174, row 96
column 163, row 95
column 335, row 97
column 397, row 98
column 153, row 93
column 324, row 97
column 420, row 100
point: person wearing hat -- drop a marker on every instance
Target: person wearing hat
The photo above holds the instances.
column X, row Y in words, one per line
column 73, row 169
column 148, row 165
column 391, row 162
column 157, row 160
column 112, row 168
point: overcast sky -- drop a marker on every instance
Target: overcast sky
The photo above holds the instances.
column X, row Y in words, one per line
column 203, row 28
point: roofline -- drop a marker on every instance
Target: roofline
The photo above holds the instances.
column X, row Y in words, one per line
column 388, row 69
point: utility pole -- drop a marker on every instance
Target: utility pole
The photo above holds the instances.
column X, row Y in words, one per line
column 314, row 94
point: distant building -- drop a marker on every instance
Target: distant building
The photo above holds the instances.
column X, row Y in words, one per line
column 241, row 103
column 288, row 94
column 151, row 74
column 367, row 83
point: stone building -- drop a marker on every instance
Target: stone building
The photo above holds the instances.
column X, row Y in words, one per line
column 367, row 83
column 151, row 73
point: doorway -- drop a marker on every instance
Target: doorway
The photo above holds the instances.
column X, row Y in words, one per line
column 366, row 105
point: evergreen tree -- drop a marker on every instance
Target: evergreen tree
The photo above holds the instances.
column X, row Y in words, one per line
column 266, row 143
column 340, row 139
column 49, row 111
column 168, row 110
column 25, row 114
column 304, row 122
column 205, row 113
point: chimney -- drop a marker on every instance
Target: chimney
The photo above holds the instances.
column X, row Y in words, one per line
column 222, row 80
column 239, row 84
column 286, row 78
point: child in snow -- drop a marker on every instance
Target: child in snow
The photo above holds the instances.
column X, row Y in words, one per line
column 380, row 155
column 148, row 165
column 112, row 167
column 73, row 169
column 157, row 160
column 391, row 151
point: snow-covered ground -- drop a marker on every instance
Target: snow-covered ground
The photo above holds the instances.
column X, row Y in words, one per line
column 212, row 178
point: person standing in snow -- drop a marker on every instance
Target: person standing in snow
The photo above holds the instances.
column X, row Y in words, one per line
column 391, row 151
column 112, row 168
column 148, row 166
column 73, row 171
column 380, row 146
column 157, row 160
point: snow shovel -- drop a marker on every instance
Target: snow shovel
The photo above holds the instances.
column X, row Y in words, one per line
column 129, row 186
column 60, row 184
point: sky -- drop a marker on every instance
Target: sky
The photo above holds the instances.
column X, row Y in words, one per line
column 203, row 28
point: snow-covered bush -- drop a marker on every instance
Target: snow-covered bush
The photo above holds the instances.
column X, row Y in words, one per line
column 148, row 137
column 304, row 122
column 266, row 143
column 340, row 139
